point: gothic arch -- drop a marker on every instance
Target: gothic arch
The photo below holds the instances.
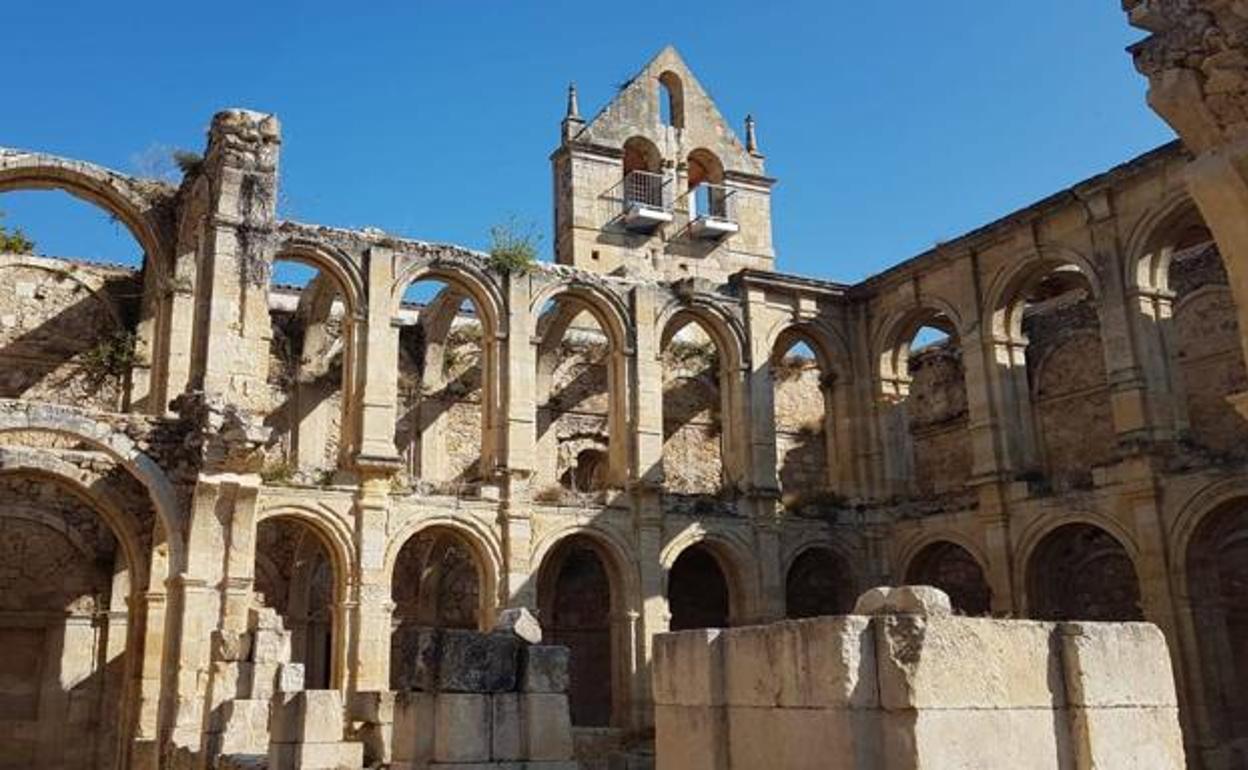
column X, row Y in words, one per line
column 825, row 341
column 892, row 338
column 336, row 264
column 1148, row 259
column 715, row 320
column 834, row 556
column 615, row 551
column 334, row 533
column 1030, row 572
column 969, row 593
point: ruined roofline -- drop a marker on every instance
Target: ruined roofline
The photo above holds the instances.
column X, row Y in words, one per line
column 988, row 234
column 117, row 267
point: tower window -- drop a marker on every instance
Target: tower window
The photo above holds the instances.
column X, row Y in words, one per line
column 671, row 100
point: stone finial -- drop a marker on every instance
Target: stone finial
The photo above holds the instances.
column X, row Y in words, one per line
column 574, row 109
column 751, row 140
column 903, row 600
column 519, row 622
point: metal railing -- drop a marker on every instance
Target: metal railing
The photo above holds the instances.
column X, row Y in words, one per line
column 646, row 188
column 712, row 200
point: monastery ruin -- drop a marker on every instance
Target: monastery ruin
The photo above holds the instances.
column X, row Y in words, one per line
column 237, row 515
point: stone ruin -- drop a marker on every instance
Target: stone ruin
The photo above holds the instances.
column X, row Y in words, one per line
column 657, row 431
column 903, row 684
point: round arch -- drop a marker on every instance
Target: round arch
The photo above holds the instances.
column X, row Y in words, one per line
column 809, row 570
column 733, row 561
column 720, row 325
column 63, row 421
column 478, row 538
column 602, row 638
column 1005, row 289
column 1031, row 571
column 969, row 593
column 826, row 342
column 891, row 341
column 606, row 308
column 333, row 532
column 1147, row 255
column 134, row 204
column 340, row 268
column 464, row 276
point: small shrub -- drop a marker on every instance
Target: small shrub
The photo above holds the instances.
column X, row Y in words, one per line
column 513, row 250
column 277, row 472
column 188, row 162
column 14, row 241
column 111, row 357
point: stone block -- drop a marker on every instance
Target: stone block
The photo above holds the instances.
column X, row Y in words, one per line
column 874, row 601
column 519, row 622
column 471, row 662
column 414, row 726
column 270, row 646
column 336, row 755
column 263, row 680
column 231, row 645
column 947, row 662
column 507, row 734
column 688, row 668
column 824, row 662
column 690, row 737
column 545, row 669
column 244, row 727
column 372, row 707
column 1141, row 738
column 547, row 726
column 978, row 739
column 311, row 716
column 802, row 738
column 260, row 617
column 461, row 728
column 290, row 677
column 919, row 600
column 414, row 656
column 1096, row 655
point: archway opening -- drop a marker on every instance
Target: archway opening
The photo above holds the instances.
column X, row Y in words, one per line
column 578, row 379
column 952, row 569
column 1207, row 350
column 643, row 181
column 296, row 577
column 442, row 431
column 71, row 326
column 1217, row 564
column 802, row 405
column 1063, row 423
column 577, row 602
column 66, row 596
column 671, row 100
column 925, row 406
column 693, row 429
column 311, row 332
column 437, row 583
column 819, row 582
column 697, row 591
column 1081, row 572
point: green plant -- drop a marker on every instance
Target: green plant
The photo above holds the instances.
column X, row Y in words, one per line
column 512, row 249
column 111, row 357
column 189, row 162
column 277, row 472
column 14, row 242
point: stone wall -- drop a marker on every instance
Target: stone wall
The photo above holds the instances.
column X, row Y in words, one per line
column 915, row 687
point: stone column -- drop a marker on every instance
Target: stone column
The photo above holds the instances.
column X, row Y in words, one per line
column 517, row 368
column 379, row 351
column 242, row 162
column 648, row 392
column 368, row 651
column 760, row 432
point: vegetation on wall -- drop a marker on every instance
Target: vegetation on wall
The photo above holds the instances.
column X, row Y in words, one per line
column 14, row 241
column 513, row 249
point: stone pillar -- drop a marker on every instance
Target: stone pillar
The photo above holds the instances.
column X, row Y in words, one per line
column 242, row 162
column 517, row 428
column 648, row 392
column 655, row 616
column 379, row 352
column 760, row 395
column 368, row 652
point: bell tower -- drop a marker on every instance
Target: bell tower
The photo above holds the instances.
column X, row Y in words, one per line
column 658, row 184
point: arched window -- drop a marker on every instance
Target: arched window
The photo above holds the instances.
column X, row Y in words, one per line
column 1081, row 572
column 671, row 100
column 952, row 569
column 706, row 185
column 697, row 591
column 819, row 583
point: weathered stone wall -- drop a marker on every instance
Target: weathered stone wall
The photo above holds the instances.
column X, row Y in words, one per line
column 801, row 440
column 66, row 331
column 936, row 408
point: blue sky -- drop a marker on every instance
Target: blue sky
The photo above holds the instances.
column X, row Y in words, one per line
column 890, row 126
